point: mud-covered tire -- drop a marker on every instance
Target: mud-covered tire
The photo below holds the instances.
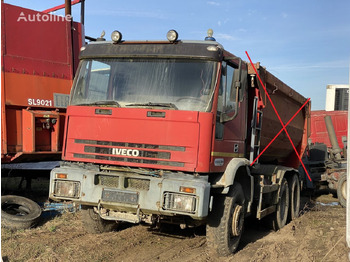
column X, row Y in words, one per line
column 279, row 218
column 294, row 197
column 19, row 212
column 341, row 190
column 94, row 224
column 226, row 222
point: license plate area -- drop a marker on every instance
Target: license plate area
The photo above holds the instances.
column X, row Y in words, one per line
column 119, row 196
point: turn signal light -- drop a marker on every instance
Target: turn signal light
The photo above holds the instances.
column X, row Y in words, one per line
column 62, row 176
column 189, row 190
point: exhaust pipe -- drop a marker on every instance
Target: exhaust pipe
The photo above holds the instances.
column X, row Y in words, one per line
column 332, row 137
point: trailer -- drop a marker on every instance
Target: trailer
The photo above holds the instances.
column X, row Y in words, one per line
column 326, row 158
column 168, row 131
column 39, row 55
column 319, row 133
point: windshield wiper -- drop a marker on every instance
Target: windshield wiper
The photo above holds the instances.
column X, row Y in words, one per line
column 101, row 103
column 170, row 105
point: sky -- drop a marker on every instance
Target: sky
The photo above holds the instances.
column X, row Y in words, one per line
column 305, row 43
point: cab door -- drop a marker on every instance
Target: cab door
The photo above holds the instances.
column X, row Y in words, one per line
column 230, row 126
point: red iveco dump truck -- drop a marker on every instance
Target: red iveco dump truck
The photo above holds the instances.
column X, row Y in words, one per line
column 166, row 131
column 39, row 56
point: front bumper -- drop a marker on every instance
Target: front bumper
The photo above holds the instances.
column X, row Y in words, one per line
column 128, row 193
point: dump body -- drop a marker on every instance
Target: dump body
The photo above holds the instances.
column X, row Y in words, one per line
column 39, row 58
column 286, row 103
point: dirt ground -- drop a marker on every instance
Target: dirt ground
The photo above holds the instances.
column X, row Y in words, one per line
column 317, row 235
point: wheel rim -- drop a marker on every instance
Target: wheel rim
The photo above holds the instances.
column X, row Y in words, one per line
column 237, row 221
column 15, row 209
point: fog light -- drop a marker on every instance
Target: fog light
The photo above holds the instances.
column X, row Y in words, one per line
column 116, row 36
column 69, row 189
column 179, row 202
column 172, row 35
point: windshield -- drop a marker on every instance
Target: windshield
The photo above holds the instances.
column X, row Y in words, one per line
column 152, row 83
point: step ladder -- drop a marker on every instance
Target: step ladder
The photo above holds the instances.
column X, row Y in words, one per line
column 256, row 131
column 266, row 210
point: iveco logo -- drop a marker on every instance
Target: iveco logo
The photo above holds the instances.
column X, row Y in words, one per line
column 125, row 152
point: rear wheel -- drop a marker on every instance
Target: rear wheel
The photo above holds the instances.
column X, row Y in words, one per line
column 294, row 197
column 225, row 222
column 279, row 218
column 341, row 190
column 94, row 224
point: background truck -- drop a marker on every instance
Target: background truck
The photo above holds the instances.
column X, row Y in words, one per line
column 337, row 97
column 39, row 56
column 326, row 155
column 166, row 132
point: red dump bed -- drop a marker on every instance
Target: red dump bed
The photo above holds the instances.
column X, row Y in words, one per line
column 286, row 102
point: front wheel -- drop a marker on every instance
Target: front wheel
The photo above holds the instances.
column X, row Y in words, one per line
column 341, row 190
column 226, row 220
column 94, row 224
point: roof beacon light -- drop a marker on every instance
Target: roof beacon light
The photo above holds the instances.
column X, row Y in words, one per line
column 210, row 37
column 116, row 36
column 101, row 38
column 172, row 36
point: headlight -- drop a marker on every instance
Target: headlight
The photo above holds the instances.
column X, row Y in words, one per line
column 116, row 36
column 70, row 189
column 172, row 36
column 179, row 202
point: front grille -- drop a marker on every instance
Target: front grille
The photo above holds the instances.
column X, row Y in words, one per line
column 129, row 152
column 110, row 151
column 109, row 181
column 136, row 183
column 131, row 145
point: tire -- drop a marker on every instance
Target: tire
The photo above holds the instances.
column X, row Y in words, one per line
column 341, row 190
column 226, row 221
column 279, row 218
column 294, row 197
column 94, row 224
column 19, row 212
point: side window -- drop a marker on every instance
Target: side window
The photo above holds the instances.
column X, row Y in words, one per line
column 226, row 101
column 99, row 79
column 229, row 104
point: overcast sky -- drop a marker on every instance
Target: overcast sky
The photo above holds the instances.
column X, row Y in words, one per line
column 305, row 43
